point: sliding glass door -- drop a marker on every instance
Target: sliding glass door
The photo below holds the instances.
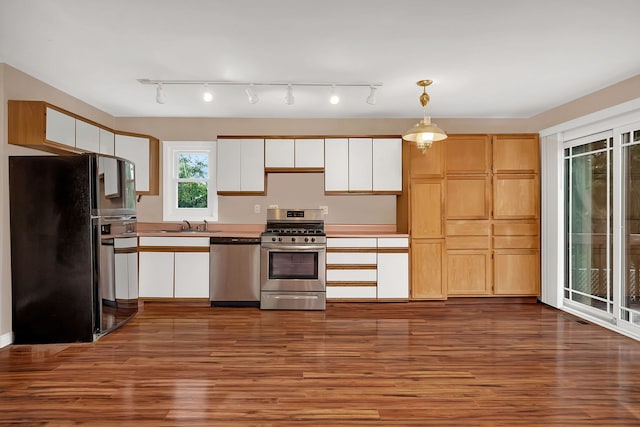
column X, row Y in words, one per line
column 602, row 226
column 630, row 289
column 588, row 226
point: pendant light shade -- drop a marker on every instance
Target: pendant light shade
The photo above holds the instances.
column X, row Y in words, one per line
column 424, row 132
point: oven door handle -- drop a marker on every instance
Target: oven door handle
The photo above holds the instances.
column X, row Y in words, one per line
column 297, row 248
column 295, row 297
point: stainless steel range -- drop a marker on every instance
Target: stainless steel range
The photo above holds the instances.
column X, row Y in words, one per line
column 293, row 260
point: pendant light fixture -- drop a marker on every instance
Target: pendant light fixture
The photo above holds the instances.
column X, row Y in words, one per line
column 424, row 132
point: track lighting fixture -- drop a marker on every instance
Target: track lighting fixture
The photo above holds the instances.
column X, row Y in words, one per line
column 253, row 98
column 371, row 99
column 207, row 95
column 251, row 95
column 160, row 98
column 334, row 98
column 289, row 98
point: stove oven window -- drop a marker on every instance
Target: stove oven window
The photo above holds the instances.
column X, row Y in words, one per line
column 293, row 265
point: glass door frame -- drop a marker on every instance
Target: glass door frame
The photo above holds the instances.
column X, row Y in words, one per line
column 606, row 315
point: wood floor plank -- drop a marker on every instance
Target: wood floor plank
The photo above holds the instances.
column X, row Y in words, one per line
column 356, row 364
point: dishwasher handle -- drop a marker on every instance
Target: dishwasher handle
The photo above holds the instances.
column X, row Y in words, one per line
column 234, row 241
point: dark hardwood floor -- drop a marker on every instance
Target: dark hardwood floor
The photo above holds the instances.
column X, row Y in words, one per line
column 417, row 364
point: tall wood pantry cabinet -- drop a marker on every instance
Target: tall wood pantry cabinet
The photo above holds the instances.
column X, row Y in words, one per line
column 473, row 217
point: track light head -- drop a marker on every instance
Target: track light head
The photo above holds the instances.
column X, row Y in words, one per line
column 160, row 98
column 371, row 99
column 334, row 98
column 289, row 98
column 251, row 95
column 207, row 95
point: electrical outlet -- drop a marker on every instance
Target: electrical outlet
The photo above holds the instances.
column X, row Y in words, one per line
column 256, row 208
column 325, row 209
column 273, row 206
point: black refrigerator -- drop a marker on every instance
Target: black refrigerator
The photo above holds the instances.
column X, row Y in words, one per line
column 66, row 213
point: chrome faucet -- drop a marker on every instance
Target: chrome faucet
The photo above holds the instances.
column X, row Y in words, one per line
column 205, row 226
column 187, row 227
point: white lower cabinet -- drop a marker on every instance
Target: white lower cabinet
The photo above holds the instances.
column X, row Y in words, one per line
column 167, row 273
column 191, row 275
column 393, row 276
column 156, row 274
column 368, row 268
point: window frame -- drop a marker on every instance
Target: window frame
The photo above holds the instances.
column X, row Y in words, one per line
column 170, row 210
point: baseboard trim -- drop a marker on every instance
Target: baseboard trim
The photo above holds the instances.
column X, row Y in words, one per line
column 6, row 339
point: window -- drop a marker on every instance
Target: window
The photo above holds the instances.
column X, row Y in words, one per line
column 189, row 181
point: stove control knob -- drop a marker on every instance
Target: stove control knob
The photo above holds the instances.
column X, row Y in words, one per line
column 306, row 239
column 273, row 239
column 279, row 239
column 313, row 239
column 293, row 239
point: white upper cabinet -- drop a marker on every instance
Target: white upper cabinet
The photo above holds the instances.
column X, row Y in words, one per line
column 228, row 165
column 60, row 127
column 336, row 164
column 279, row 153
column 87, row 136
column 309, row 153
column 387, row 164
column 240, row 165
column 360, row 164
column 136, row 150
column 298, row 153
column 252, row 165
column 107, row 142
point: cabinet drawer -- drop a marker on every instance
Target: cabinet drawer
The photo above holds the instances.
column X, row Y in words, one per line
column 516, row 229
column 351, row 292
column 351, row 242
column 468, row 228
column 341, row 258
column 468, row 242
column 393, row 242
column 175, row 241
column 516, row 242
column 352, row 275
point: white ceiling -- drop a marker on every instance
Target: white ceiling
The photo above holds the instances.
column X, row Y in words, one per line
column 490, row 58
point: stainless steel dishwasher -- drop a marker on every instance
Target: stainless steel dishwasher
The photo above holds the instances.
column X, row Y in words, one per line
column 234, row 273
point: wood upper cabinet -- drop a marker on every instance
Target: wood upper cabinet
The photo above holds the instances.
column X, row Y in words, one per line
column 431, row 163
column 468, row 154
column 426, row 209
column 468, row 197
column 516, row 154
column 516, row 196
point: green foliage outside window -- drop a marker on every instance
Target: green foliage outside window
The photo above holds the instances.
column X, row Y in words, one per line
column 193, row 173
